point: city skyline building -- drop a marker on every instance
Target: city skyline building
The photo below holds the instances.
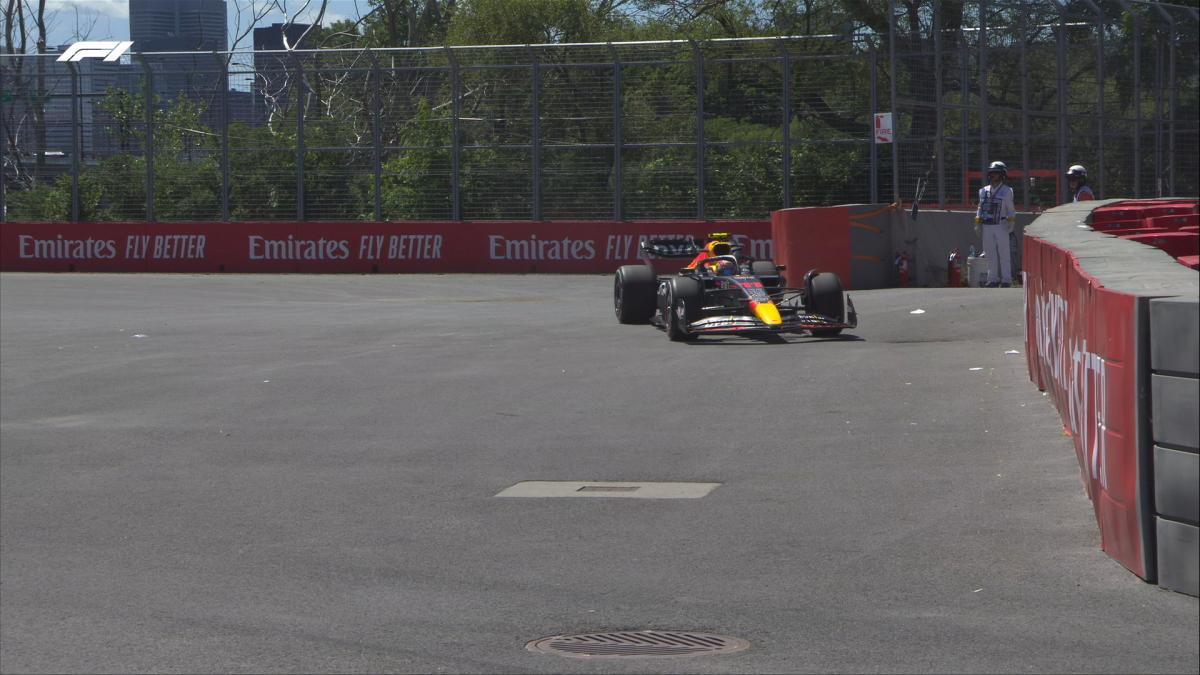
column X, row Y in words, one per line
column 178, row 25
column 198, row 26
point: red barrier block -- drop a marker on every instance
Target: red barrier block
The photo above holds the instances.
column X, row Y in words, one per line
column 1108, row 226
column 1133, row 211
column 1192, row 261
column 1124, row 232
column 1114, row 214
column 1176, row 244
column 1080, row 346
column 813, row 238
column 1174, row 222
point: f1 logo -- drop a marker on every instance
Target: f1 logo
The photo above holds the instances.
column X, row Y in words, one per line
column 111, row 51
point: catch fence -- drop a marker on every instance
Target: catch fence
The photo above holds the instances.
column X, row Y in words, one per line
column 710, row 129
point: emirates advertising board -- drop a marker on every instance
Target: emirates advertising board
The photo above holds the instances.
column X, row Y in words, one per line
column 1080, row 342
column 320, row 247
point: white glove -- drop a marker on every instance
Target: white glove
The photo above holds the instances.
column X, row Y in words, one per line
column 1008, row 226
column 978, row 231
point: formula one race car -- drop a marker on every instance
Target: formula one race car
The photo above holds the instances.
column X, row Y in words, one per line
column 723, row 292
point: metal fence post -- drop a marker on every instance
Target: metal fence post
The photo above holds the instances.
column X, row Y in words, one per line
column 1061, row 74
column 1026, row 164
column 787, row 124
column 300, row 97
column 4, row 149
column 698, row 61
column 616, row 124
column 1100, row 104
column 455, row 141
column 1172, row 36
column 874, row 150
column 76, row 141
column 376, row 78
column 965, row 99
column 224, row 84
column 1137, row 96
column 895, row 113
column 940, row 142
column 1158, row 115
column 1137, row 99
column 1099, row 96
column 149, row 140
column 1171, row 115
column 984, row 146
column 536, row 140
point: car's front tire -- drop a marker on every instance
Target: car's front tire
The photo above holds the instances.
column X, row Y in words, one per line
column 681, row 306
column 633, row 294
column 825, row 297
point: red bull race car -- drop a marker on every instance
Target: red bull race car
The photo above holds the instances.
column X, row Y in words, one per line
column 721, row 291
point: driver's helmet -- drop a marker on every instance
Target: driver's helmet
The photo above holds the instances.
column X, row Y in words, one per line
column 722, row 268
column 718, row 247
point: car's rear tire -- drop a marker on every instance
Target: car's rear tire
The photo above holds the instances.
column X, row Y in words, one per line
column 825, row 297
column 766, row 268
column 682, row 302
column 633, row 294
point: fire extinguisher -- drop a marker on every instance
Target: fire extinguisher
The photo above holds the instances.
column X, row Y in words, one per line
column 901, row 265
column 954, row 270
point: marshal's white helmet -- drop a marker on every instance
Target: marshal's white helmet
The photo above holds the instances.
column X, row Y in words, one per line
column 998, row 167
column 1077, row 171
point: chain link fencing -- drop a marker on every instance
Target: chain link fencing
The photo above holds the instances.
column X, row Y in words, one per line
column 651, row 130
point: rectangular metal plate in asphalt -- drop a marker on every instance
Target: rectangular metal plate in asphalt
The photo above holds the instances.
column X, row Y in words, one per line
column 628, row 490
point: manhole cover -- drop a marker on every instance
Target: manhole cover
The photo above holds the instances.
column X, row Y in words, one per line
column 640, row 643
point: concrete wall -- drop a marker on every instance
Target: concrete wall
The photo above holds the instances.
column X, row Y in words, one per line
column 808, row 237
column 929, row 239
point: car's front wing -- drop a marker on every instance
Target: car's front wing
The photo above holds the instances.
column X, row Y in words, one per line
column 794, row 321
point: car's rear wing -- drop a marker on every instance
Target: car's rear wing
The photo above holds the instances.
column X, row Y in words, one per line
column 681, row 247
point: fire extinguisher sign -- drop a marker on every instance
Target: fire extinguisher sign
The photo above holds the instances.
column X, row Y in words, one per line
column 883, row 127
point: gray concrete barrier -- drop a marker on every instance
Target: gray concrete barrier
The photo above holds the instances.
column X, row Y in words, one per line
column 930, row 238
column 1174, row 402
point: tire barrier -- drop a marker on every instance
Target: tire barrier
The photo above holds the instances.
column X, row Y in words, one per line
column 353, row 246
column 1112, row 336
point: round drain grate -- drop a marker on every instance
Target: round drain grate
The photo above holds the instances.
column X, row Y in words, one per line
column 639, row 643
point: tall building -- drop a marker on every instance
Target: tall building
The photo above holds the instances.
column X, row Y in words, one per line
column 181, row 26
column 178, row 25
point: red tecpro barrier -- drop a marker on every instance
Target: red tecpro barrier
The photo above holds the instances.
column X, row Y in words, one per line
column 1080, row 341
column 1176, row 244
column 351, row 246
column 815, row 237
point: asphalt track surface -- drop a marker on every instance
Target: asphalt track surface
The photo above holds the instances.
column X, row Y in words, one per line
column 296, row 474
